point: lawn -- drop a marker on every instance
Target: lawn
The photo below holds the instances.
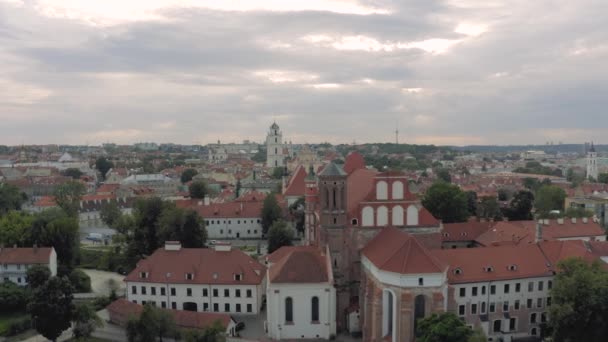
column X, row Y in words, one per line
column 6, row 318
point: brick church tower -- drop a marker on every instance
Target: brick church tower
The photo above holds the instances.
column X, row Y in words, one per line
column 311, row 200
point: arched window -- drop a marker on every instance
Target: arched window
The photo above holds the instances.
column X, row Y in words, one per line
column 335, row 205
column 288, row 310
column 412, row 215
column 397, row 190
column 381, row 190
column 327, row 203
column 398, row 215
column 314, row 316
column 382, row 219
column 367, row 217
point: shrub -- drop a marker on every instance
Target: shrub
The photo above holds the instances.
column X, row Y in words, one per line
column 18, row 326
column 80, row 281
column 13, row 298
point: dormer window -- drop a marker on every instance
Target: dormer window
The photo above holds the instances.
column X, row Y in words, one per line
column 190, row 276
column 238, row 277
column 143, row 275
column 512, row 267
column 458, row 271
column 488, row 269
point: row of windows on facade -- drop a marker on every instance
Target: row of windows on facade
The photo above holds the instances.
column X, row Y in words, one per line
column 255, row 231
column 314, row 310
column 216, row 306
column 497, row 325
column 7, row 279
column 462, row 309
column 207, row 222
column 381, row 216
column 190, row 276
column 506, row 288
column 382, row 190
column 205, row 292
column 25, row 266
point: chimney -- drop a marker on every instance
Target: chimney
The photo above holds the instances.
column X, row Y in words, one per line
column 222, row 247
column 241, row 206
column 200, row 203
column 585, row 220
column 35, row 248
column 206, row 200
column 539, row 232
column 573, row 220
column 560, row 221
column 173, row 246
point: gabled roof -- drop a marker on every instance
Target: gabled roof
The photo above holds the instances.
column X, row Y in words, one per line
column 399, row 252
column 296, row 185
column 354, row 161
column 332, row 169
column 23, row 255
column 298, row 264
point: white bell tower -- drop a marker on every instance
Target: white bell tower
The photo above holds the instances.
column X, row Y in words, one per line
column 592, row 163
column 274, row 147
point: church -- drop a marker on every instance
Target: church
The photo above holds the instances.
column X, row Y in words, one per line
column 276, row 151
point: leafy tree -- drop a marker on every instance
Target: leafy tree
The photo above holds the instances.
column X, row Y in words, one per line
column 297, row 211
column 198, row 189
column 13, row 297
column 80, row 281
column 103, row 165
column 444, row 175
column 278, row 172
column 271, row 211
column 531, row 183
column 237, row 191
column 260, row 155
column 580, row 302
column 10, row 198
column 37, row 275
column 54, row 228
column 503, row 194
column 443, row 327
column 73, row 172
column 446, row 202
column 187, row 175
column 214, row 333
column 68, row 195
column 51, row 307
column 14, row 227
column 110, row 213
column 548, row 198
column 520, row 207
column 472, row 202
column 85, row 321
column 602, row 178
column 477, row 336
column 186, row 226
column 578, row 212
column 489, row 208
column 153, row 323
column 279, row 235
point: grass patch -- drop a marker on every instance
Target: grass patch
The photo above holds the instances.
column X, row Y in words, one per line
column 6, row 318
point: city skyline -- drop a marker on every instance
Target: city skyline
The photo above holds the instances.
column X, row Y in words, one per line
column 191, row 72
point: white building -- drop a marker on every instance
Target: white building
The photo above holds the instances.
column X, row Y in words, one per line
column 14, row 262
column 232, row 220
column 275, row 150
column 161, row 184
column 198, row 279
column 301, row 304
column 592, row 171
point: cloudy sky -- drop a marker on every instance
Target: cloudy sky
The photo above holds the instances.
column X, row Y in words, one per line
column 195, row 71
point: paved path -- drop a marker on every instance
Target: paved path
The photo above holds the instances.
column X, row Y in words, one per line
column 100, row 282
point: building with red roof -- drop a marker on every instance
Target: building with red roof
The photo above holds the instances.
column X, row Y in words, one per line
column 15, row 262
column 219, row 279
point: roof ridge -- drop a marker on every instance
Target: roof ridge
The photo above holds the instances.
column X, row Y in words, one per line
column 407, row 257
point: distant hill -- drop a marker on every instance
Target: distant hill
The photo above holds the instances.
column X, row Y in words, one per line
column 563, row 148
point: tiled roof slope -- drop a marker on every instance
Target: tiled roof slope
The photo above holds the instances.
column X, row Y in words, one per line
column 298, row 264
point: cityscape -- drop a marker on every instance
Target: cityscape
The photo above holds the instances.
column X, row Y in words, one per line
column 344, row 170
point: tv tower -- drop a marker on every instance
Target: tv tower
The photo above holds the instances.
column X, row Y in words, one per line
column 397, row 133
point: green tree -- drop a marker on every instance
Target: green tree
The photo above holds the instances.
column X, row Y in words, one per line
column 37, row 275
column 520, row 207
column 472, row 202
column 548, row 198
column 297, row 211
column 103, row 165
column 444, row 327
column 80, row 281
column 260, row 155
column 14, row 228
column 110, row 213
column 10, row 198
column 602, row 178
column 531, row 183
column 477, row 336
column 13, row 297
column 444, row 175
column 186, row 226
column 54, row 228
column 85, row 321
column 578, row 212
column 580, row 302
column 51, row 307
column 73, row 172
column 198, row 189
column 489, row 209
column 278, row 172
column 271, row 211
column 68, row 195
column 152, row 324
column 187, row 175
column 214, row 333
column 279, row 235
column 446, row 202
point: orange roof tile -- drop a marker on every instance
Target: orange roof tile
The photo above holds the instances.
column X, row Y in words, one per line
column 298, row 264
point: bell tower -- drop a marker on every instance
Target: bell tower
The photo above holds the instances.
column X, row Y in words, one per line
column 311, row 200
column 332, row 193
column 592, row 163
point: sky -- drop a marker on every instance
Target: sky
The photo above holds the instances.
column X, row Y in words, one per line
column 445, row 72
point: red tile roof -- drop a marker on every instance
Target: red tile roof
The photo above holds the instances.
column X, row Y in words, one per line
column 354, row 161
column 399, row 252
column 183, row 319
column 358, row 186
column 230, row 210
column 464, row 231
column 298, row 264
column 23, row 255
column 207, row 265
column 296, row 185
column 517, row 232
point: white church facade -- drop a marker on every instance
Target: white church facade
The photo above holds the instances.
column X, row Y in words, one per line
column 276, row 151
